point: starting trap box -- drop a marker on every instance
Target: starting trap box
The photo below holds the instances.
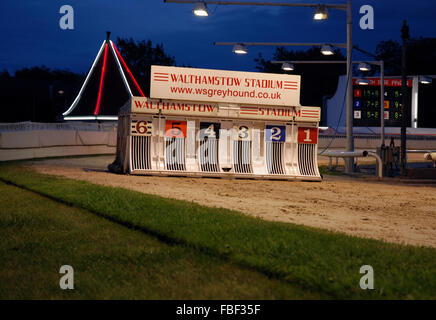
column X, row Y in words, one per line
column 217, row 139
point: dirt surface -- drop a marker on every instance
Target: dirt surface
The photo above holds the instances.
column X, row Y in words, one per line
column 392, row 212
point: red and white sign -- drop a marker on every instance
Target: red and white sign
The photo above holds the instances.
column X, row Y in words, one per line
column 145, row 105
column 224, row 86
column 388, row 83
column 308, row 135
column 308, row 114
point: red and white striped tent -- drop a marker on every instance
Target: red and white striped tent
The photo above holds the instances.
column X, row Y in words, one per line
column 108, row 85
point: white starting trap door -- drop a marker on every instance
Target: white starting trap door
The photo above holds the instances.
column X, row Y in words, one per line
column 208, row 142
column 161, row 145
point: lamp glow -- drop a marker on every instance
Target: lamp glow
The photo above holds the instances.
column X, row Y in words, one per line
column 239, row 49
column 327, row 50
column 200, row 9
column 321, row 13
column 425, row 80
column 363, row 82
column 288, row 67
column 364, row 66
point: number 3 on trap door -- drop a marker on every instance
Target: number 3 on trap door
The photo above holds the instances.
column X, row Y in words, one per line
column 308, row 135
column 175, row 129
column 242, row 133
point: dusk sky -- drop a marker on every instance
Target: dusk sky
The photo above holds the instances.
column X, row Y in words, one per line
column 32, row 36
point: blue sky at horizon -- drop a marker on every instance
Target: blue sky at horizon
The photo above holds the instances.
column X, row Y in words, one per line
column 32, row 36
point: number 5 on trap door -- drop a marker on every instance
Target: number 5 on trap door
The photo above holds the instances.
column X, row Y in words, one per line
column 175, row 129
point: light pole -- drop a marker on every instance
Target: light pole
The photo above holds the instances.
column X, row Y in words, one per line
column 321, row 13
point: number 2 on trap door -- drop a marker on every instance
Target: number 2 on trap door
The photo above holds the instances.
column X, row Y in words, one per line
column 275, row 133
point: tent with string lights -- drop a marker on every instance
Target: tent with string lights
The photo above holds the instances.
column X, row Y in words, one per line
column 108, row 85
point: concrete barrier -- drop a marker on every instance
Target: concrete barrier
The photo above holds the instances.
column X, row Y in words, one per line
column 36, row 140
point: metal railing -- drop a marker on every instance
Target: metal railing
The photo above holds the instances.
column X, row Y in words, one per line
column 35, row 126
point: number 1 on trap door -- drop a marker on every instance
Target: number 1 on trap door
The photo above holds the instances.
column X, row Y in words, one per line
column 307, row 135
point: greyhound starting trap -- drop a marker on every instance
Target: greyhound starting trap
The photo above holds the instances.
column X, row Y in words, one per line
column 180, row 138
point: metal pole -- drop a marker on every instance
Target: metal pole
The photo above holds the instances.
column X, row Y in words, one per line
column 272, row 4
column 307, row 44
column 404, row 37
column 349, row 164
column 382, row 103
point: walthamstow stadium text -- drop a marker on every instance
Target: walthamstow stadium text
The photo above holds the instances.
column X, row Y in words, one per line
column 227, row 81
column 172, row 106
column 248, row 111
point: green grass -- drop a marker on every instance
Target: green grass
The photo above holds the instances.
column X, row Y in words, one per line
column 325, row 170
column 111, row 261
column 314, row 260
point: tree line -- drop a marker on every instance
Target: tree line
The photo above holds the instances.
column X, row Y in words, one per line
column 42, row 94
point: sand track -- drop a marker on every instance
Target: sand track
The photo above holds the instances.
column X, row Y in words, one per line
column 394, row 213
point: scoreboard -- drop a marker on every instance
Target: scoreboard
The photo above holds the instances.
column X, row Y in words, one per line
column 366, row 103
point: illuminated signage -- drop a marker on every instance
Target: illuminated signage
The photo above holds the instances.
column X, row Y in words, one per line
column 224, row 86
column 366, row 103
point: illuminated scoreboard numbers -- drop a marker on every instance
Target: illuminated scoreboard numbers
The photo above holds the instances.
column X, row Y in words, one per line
column 208, row 146
column 357, row 114
column 366, row 99
column 357, row 104
column 242, row 136
column 175, row 134
column 275, row 137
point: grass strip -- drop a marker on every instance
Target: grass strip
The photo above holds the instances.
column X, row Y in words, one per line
column 318, row 260
column 110, row 261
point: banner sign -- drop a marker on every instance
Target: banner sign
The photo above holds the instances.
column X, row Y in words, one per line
column 308, row 114
column 388, row 82
column 144, row 105
column 224, row 86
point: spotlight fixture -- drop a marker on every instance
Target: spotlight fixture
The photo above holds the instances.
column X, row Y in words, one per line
column 364, row 66
column 239, row 49
column 425, row 80
column 362, row 82
column 321, row 13
column 327, row 50
column 288, row 66
column 200, row 9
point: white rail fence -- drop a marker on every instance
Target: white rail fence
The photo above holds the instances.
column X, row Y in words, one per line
column 37, row 140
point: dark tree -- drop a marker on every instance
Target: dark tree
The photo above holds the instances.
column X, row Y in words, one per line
column 36, row 94
column 139, row 57
column 317, row 80
column 421, row 56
